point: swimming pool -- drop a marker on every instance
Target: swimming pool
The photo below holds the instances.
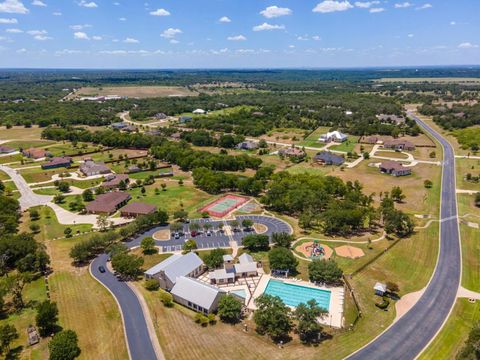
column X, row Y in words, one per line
column 242, row 293
column 292, row 294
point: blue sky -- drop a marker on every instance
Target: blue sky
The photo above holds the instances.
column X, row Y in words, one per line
column 238, row 33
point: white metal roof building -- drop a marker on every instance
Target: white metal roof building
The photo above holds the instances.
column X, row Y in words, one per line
column 196, row 295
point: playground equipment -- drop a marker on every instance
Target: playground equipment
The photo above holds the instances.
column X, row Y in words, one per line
column 316, row 250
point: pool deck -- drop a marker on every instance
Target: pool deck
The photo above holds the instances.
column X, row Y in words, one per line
column 337, row 298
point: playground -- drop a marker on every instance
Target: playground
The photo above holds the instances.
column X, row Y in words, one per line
column 224, row 205
column 315, row 250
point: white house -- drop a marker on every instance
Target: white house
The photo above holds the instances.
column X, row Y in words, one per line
column 335, row 136
column 167, row 271
column 199, row 112
column 196, row 295
column 245, row 267
column 380, row 289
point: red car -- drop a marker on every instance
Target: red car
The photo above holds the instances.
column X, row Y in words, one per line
column 194, row 233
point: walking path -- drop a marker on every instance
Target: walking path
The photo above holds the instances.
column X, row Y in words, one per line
column 469, row 192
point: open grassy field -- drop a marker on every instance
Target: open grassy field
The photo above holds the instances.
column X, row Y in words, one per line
column 346, row 146
column 464, row 167
column 467, row 137
column 392, row 154
column 34, row 175
column 10, row 158
column 135, row 91
column 285, row 135
column 25, row 144
column 170, row 200
column 439, row 80
column 33, row 293
column 452, row 337
column 20, row 133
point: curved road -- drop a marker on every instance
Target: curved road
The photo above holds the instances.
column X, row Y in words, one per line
column 407, row 338
column 136, row 330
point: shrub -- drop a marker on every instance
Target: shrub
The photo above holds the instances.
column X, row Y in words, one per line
column 152, row 285
column 167, row 299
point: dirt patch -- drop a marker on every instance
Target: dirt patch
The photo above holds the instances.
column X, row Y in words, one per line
column 162, row 235
column 348, row 251
column 134, row 91
column 260, row 228
column 322, row 251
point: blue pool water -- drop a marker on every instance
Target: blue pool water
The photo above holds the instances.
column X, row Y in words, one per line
column 292, row 294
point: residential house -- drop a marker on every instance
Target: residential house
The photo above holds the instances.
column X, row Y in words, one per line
column 399, row 144
column 135, row 209
column 197, row 295
column 372, row 140
column 133, row 169
column 6, row 149
column 58, row 162
column 380, row 289
column 327, row 158
column 119, row 125
column 394, row 168
column 292, row 152
column 91, row 168
column 258, row 114
column 169, row 270
column 184, row 119
column 176, row 136
column 231, row 271
column 160, row 116
column 335, row 136
column 247, row 145
column 108, row 203
column 199, row 112
column 35, row 153
column 130, row 128
column 113, row 181
column 391, row 119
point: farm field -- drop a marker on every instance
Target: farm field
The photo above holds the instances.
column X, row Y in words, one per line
column 140, row 92
column 439, row 80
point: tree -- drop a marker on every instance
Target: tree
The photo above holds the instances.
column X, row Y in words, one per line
column 324, row 271
column 143, row 190
column 34, row 214
column 189, row 246
column 87, row 195
column 230, row 309
column 397, row 194
column 477, row 199
column 366, row 155
column 247, row 223
column 148, row 246
column 399, row 223
column 152, row 285
column 167, row 299
column 428, row 184
column 8, row 333
column 163, row 186
column 64, row 346
column 214, row 258
column 176, row 227
column 127, row 265
column 14, row 285
column 102, row 222
column 281, row 258
column 308, row 327
column 58, row 199
column 47, row 317
column 256, row 242
column 117, row 248
column 180, row 215
column 35, row 228
column 392, row 287
column 272, row 317
column 122, row 185
column 282, row 239
column 63, row 187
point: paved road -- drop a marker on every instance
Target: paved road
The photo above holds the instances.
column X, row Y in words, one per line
column 28, row 198
column 407, row 338
column 136, row 329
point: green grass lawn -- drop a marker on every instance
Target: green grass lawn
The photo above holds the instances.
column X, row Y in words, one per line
column 35, row 175
column 171, row 199
column 452, row 337
column 312, row 139
column 29, row 143
column 467, row 137
column 463, row 167
column 348, row 145
column 10, row 158
column 67, row 149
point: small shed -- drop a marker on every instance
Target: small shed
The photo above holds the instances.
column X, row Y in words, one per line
column 380, row 289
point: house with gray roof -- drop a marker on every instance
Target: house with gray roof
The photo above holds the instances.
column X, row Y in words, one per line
column 167, row 271
column 327, row 158
column 231, row 271
column 248, row 145
column 197, row 295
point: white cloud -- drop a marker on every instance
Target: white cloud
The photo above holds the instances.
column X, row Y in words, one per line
column 86, row 4
column 376, row 10
column 170, row 33
column 403, row 5
column 37, row 32
column 173, row 41
column 80, row 26
column 237, row 38
column 329, row 6
column 467, row 45
column 130, row 40
column 224, row 19
column 14, row 31
column 8, row 21
column 366, row 4
column 122, row 19
column 410, row 35
column 42, row 37
column 275, row 11
column 160, row 12
column 96, row 38
column 21, row 51
column 316, row 38
column 57, row 13
column 80, row 35
column 13, row 7
column 38, row 3
column 453, row 23
column 267, row 26
column 424, row 6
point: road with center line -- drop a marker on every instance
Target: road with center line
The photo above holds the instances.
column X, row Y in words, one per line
column 409, row 336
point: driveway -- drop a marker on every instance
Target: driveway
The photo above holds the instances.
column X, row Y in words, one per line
column 409, row 336
column 28, row 198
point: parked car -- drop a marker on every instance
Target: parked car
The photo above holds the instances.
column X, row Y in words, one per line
column 101, row 269
column 194, row 233
column 209, row 233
